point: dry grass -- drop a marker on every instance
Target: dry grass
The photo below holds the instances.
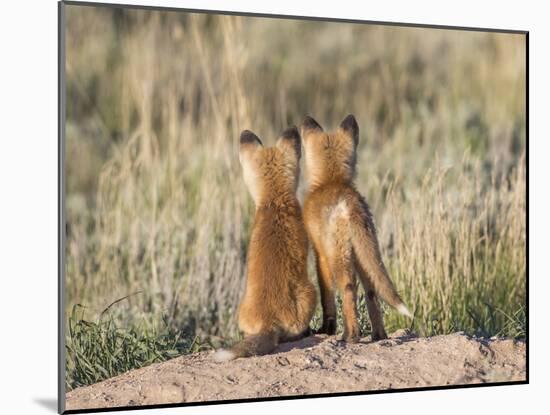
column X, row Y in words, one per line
column 156, row 204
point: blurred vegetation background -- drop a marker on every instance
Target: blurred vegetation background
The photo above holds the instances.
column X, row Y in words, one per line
column 158, row 216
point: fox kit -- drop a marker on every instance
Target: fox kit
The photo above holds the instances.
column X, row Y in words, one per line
column 279, row 299
column 341, row 228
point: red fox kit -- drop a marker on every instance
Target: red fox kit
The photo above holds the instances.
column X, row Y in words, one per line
column 279, row 299
column 341, row 229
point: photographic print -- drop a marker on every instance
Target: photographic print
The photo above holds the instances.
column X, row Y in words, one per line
column 271, row 207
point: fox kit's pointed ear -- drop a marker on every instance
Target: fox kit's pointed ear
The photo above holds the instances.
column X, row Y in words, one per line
column 309, row 125
column 249, row 144
column 290, row 142
column 350, row 128
column 249, row 138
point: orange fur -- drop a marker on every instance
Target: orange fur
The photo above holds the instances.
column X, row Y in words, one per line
column 341, row 228
column 279, row 299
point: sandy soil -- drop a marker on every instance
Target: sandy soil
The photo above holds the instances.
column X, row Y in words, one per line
column 318, row 364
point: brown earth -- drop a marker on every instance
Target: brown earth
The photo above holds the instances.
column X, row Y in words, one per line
column 317, row 364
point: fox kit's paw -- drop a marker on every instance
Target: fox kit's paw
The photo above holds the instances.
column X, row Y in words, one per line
column 328, row 327
column 352, row 335
column 223, row 355
column 350, row 338
column 377, row 335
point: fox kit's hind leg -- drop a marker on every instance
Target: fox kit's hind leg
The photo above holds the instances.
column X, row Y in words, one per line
column 345, row 279
column 342, row 266
column 373, row 306
column 326, row 287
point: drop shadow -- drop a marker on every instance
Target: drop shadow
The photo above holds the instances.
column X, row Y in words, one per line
column 48, row 403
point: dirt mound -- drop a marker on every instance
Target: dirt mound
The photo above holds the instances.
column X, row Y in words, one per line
column 318, row 364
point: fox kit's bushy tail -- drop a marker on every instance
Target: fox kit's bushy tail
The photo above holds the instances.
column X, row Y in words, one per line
column 254, row 345
column 365, row 246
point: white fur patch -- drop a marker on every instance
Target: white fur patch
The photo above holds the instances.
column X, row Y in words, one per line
column 339, row 211
column 313, row 171
column 223, row 355
column 251, row 179
column 308, row 162
column 402, row 308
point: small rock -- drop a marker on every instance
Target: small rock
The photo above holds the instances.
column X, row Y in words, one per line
column 283, row 361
